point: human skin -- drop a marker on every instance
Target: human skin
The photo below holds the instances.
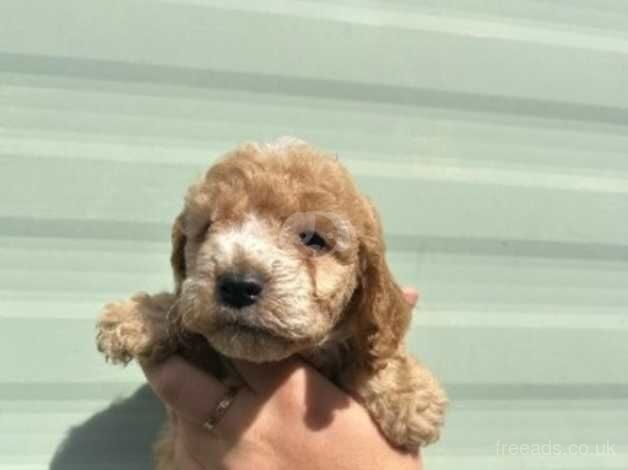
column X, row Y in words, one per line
column 287, row 416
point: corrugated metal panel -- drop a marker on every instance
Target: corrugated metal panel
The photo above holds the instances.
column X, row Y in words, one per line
column 492, row 135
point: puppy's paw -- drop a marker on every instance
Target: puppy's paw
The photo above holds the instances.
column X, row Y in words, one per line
column 121, row 335
column 410, row 420
column 405, row 401
column 134, row 328
column 424, row 418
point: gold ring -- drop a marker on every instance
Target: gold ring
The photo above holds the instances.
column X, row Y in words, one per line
column 221, row 408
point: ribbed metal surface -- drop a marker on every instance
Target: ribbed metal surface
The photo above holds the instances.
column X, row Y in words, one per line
column 492, row 135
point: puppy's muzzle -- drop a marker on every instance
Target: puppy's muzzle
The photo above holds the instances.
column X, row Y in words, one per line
column 239, row 290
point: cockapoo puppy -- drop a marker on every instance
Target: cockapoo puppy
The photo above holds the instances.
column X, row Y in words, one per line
column 276, row 253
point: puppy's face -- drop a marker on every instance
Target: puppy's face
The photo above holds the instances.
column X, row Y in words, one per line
column 268, row 253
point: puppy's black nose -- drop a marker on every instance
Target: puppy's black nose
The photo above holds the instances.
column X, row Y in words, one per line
column 238, row 290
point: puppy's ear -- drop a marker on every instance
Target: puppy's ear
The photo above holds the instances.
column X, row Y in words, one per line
column 380, row 313
column 177, row 257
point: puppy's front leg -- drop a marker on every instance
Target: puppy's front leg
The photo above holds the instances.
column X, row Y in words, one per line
column 136, row 328
column 403, row 398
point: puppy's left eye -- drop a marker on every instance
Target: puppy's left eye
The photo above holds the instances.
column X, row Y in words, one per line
column 313, row 240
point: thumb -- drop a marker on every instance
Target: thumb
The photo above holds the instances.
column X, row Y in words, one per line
column 411, row 295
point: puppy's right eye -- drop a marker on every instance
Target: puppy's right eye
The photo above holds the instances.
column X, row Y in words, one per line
column 313, row 240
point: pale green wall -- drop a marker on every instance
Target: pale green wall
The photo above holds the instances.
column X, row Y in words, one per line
column 493, row 136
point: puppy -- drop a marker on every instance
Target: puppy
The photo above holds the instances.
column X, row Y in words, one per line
column 276, row 253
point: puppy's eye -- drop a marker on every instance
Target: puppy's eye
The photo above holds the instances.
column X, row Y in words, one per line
column 313, row 240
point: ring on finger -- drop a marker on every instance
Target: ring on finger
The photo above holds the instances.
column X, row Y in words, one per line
column 221, row 408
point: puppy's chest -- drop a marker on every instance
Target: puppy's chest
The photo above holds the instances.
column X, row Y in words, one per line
column 330, row 359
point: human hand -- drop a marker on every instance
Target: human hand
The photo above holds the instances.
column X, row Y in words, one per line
column 287, row 416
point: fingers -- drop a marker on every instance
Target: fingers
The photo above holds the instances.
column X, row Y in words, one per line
column 190, row 392
column 411, row 295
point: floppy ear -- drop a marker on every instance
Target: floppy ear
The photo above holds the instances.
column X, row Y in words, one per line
column 177, row 257
column 380, row 313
